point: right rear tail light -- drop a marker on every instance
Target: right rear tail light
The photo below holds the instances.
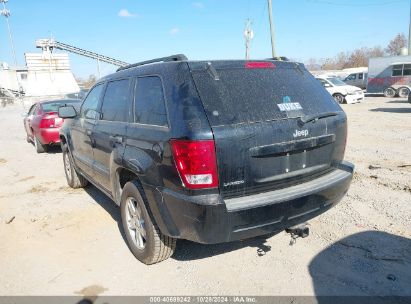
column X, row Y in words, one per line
column 196, row 163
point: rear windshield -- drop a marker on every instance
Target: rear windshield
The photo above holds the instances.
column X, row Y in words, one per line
column 244, row 95
column 54, row 106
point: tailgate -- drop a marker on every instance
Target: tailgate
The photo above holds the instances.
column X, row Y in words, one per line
column 254, row 113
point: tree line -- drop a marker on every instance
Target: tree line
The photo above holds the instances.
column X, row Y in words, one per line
column 358, row 57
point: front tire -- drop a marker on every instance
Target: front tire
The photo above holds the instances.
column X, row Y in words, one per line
column 144, row 238
column 74, row 179
column 339, row 98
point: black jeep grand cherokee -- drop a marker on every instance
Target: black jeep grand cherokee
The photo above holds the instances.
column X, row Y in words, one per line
column 208, row 151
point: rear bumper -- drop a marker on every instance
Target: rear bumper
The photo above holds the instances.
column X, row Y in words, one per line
column 49, row 136
column 210, row 219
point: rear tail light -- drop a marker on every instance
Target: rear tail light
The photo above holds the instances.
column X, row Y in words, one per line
column 51, row 122
column 259, row 65
column 196, row 163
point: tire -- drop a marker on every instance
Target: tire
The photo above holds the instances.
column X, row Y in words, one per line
column 40, row 148
column 390, row 92
column 74, row 179
column 339, row 98
column 403, row 92
column 144, row 238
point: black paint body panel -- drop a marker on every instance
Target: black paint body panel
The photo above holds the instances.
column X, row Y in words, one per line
column 256, row 160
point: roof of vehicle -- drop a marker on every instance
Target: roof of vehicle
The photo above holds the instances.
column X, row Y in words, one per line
column 402, row 62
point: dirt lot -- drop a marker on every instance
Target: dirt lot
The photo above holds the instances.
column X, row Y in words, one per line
column 68, row 242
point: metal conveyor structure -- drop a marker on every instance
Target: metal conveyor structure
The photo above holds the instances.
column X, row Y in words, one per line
column 50, row 44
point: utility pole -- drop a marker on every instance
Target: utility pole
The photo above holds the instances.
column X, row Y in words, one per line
column 270, row 16
column 248, row 35
column 409, row 33
column 98, row 67
column 6, row 13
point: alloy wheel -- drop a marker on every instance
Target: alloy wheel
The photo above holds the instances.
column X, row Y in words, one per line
column 135, row 223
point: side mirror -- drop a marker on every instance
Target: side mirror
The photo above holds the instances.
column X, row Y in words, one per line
column 67, row 112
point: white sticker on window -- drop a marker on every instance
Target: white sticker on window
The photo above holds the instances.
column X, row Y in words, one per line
column 292, row 106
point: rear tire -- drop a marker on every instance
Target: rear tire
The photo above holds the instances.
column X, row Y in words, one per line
column 74, row 179
column 339, row 98
column 403, row 92
column 144, row 238
column 390, row 92
column 40, row 148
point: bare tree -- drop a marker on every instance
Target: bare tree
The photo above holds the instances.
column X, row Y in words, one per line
column 396, row 44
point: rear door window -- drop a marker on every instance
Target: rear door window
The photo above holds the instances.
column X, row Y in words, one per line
column 238, row 94
column 150, row 106
column 116, row 101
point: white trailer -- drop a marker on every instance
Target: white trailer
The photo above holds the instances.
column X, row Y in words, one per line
column 390, row 76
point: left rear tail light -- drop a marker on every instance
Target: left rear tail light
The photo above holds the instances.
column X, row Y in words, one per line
column 196, row 163
column 51, row 122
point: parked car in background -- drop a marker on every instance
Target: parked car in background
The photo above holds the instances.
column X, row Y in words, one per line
column 342, row 92
column 77, row 95
column 208, row 151
column 42, row 123
column 358, row 79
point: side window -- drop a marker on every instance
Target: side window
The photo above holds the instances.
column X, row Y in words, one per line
column 397, row 70
column 32, row 109
column 351, row 77
column 360, row 76
column 150, row 106
column 116, row 101
column 90, row 104
column 407, row 70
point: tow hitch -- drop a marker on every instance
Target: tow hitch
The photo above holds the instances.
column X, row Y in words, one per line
column 297, row 231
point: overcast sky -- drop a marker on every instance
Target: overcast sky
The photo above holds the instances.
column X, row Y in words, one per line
column 135, row 30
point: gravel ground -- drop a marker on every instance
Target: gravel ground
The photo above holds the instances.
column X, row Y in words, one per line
column 68, row 242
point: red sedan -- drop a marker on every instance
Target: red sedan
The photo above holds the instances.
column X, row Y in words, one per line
column 42, row 123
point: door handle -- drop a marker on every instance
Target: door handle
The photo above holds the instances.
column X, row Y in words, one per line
column 116, row 139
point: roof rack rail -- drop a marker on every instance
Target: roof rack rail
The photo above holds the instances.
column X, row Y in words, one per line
column 178, row 57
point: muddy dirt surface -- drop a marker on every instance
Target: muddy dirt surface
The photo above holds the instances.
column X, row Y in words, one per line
column 58, row 241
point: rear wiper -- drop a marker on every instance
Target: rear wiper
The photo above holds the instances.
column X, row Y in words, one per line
column 307, row 118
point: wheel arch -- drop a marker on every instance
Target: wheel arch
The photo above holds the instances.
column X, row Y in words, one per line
column 153, row 198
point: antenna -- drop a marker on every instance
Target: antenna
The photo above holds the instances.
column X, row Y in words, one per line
column 248, row 35
column 6, row 13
